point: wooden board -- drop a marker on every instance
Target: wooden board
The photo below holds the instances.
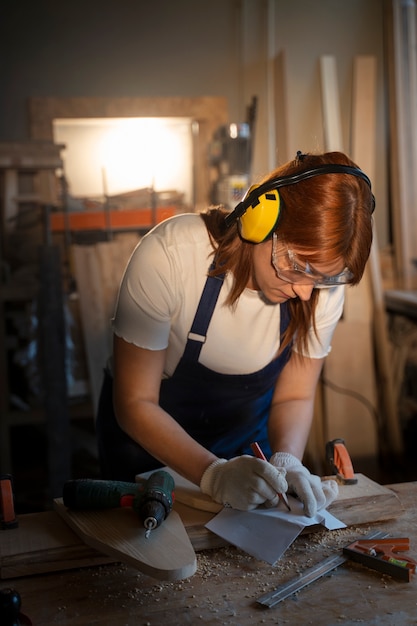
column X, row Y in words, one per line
column 365, row 502
column 332, row 123
column 191, row 495
column 350, row 364
column 167, row 554
column 364, row 154
column 362, row 503
column 98, row 270
column 43, row 543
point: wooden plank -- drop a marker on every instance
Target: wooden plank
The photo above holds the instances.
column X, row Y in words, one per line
column 98, row 270
column 350, row 364
column 332, row 128
column 43, row 543
column 110, row 264
column 365, row 502
column 126, row 243
column 282, row 126
column 167, row 554
column 364, row 90
column 350, row 389
column 112, row 259
column 332, row 125
column 191, row 495
column 363, row 153
column 95, row 325
column 194, row 521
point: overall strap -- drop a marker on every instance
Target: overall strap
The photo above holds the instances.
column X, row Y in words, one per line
column 198, row 332
column 206, row 306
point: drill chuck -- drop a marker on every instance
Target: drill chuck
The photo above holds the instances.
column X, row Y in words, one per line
column 157, row 501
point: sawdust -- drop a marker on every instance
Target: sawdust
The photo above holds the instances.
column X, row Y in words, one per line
column 239, row 577
column 234, row 568
column 224, row 588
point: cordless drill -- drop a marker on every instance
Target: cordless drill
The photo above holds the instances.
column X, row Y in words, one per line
column 151, row 498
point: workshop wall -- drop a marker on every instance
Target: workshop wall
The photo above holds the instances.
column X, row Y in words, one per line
column 230, row 48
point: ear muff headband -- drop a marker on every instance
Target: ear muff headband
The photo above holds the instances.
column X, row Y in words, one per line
column 258, row 213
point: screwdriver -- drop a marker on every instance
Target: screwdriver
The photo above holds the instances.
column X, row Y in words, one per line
column 151, row 498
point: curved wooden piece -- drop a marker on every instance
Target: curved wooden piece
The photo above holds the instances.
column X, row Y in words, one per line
column 167, row 554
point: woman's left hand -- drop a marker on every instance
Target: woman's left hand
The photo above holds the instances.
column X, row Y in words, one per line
column 314, row 493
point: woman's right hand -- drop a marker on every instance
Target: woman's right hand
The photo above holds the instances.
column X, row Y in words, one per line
column 243, row 482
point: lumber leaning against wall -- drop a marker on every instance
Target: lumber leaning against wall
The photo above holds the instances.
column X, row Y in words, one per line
column 350, row 365
column 98, row 270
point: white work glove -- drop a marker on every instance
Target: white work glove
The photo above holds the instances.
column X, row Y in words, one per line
column 313, row 493
column 243, row 482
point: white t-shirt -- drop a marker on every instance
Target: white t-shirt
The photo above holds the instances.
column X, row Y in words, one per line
column 159, row 295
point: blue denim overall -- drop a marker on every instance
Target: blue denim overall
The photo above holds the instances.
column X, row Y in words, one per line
column 223, row 412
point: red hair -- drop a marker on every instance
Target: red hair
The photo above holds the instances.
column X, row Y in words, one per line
column 329, row 215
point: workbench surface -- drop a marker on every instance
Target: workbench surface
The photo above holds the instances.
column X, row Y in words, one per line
column 228, row 582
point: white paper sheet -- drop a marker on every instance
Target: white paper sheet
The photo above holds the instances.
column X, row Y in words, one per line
column 267, row 533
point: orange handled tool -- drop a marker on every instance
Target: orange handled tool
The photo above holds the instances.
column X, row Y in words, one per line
column 338, row 457
column 7, row 515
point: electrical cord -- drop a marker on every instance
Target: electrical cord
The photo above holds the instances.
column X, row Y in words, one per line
column 353, row 394
column 360, row 398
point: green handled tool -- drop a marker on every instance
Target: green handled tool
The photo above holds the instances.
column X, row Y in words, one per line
column 151, row 498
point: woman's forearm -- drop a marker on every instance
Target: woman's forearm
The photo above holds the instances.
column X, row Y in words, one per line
column 292, row 407
column 160, row 435
column 136, row 385
column 289, row 427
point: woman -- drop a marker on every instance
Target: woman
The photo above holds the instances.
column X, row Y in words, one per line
column 222, row 325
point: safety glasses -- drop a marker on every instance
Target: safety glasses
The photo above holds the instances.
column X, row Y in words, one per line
column 290, row 268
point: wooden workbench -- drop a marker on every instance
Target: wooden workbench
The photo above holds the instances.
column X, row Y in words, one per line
column 228, row 582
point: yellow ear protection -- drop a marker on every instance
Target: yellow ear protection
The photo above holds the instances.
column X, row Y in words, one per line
column 258, row 213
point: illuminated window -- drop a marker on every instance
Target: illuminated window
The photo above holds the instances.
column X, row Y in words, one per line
column 107, row 156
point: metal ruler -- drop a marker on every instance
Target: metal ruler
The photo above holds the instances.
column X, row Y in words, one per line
column 309, row 576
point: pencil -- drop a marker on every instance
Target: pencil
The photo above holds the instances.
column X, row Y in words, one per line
column 256, row 449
